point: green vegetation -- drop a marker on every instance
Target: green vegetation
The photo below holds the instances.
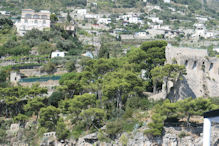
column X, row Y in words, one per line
column 169, row 112
column 43, row 41
column 107, row 92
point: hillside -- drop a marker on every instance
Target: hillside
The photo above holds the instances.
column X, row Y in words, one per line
column 214, row 4
column 108, row 72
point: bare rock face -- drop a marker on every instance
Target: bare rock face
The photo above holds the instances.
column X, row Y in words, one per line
column 192, row 137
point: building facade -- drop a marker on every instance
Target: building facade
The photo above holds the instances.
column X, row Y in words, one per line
column 31, row 19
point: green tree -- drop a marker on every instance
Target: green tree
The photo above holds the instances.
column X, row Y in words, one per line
column 93, row 117
column 49, row 117
column 69, row 17
column 121, row 85
column 156, row 126
column 81, row 102
column 34, row 105
column 21, row 119
column 55, row 98
column 168, row 72
column 3, row 135
column 70, row 65
column 49, row 68
column 189, row 107
column 53, row 18
column 62, row 132
column 104, row 52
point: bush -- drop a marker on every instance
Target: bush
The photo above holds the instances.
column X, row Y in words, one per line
column 49, row 68
column 138, row 103
column 118, row 126
column 102, row 137
column 182, row 134
column 114, row 128
column 156, row 126
column 62, row 132
column 123, row 140
column 78, row 130
column 55, row 98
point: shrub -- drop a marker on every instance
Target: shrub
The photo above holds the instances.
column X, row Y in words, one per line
column 182, row 134
column 123, row 140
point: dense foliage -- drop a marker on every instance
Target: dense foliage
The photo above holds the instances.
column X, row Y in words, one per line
column 108, row 91
column 43, row 41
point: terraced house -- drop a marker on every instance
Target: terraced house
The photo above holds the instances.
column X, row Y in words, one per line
column 31, row 19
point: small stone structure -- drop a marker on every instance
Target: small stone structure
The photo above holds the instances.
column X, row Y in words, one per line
column 49, row 134
column 14, row 127
column 15, row 77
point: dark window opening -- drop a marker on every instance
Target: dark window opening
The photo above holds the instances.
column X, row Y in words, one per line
column 211, row 66
column 194, row 65
column 186, row 62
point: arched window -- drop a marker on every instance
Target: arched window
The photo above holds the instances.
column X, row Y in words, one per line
column 186, row 62
column 194, row 65
column 211, row 66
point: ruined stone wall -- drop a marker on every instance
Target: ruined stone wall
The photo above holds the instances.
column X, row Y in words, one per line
column 202, row 79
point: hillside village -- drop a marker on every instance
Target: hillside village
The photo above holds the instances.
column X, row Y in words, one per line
column 108, row 72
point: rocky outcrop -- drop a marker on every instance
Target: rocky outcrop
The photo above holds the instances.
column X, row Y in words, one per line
column 174, row 136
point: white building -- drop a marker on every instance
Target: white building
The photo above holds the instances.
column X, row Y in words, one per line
column 201, row 31
column 209, row 118
column 57, row 54
column 134, row 20
column 92, row 16
column 104, row 21
column 216, row 49
column 202, row 19
column 82, row 12
column 156, row 20
column 141, row 34
column 166, row 1
column 31, row 19
column 3, row 12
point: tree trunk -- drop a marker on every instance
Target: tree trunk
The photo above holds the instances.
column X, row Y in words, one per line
column 99, row 93
column 155, row 88
column 188, row 119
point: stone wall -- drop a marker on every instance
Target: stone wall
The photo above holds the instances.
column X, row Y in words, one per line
column 202, row 79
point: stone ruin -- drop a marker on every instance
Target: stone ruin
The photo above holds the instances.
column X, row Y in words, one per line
column 202, row 79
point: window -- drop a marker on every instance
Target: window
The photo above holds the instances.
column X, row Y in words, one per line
column 44, row 21
column 26, row 21
column 35, row 21
column 44, row 17
column 194, row 65
column 58, row 55
column 36, row 16
column 211, row 66
column 186, row 62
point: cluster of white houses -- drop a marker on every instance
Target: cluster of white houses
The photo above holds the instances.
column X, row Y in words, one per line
column 31, row 19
